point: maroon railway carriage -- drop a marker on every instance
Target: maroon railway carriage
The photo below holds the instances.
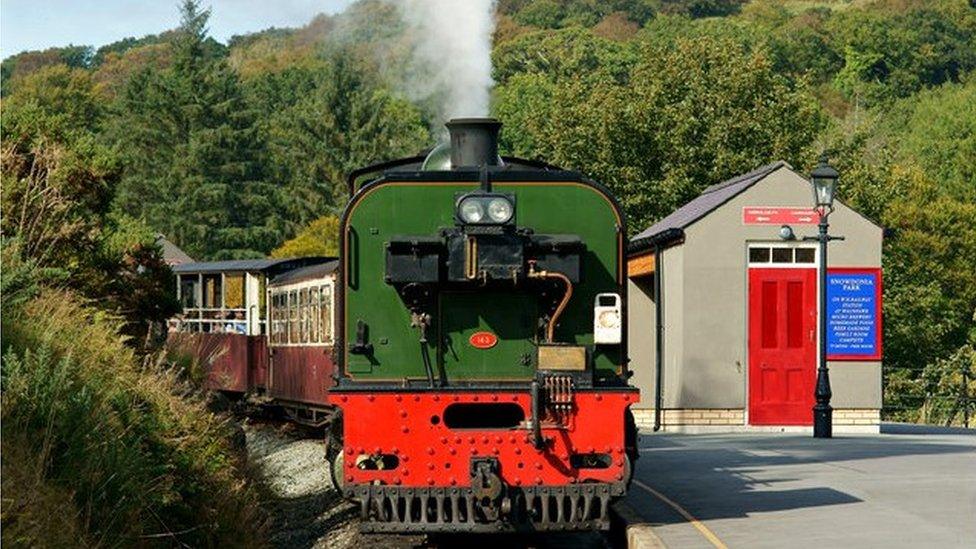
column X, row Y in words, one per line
column 301, row 341
column 262, row 329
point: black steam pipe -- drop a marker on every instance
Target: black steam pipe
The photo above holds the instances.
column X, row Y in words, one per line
column 659, row 338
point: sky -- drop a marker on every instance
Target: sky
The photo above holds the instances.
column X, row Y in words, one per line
column 41, row 24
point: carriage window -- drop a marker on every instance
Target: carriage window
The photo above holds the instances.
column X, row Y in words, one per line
column 212, row 294
column 313, row 315
column 303, row 301
column 234, row 291
column 325, row 313
column 189, row 286
column 281, row 313
column 293, row 333
column 276, row 327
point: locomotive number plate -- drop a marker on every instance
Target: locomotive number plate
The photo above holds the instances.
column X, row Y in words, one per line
column 483, row 340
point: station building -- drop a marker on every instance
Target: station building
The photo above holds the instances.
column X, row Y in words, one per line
column 723, row 310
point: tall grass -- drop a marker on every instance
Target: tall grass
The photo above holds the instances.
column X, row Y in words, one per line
column 123, row 439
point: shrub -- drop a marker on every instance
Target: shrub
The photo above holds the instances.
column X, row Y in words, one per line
column 133, row 446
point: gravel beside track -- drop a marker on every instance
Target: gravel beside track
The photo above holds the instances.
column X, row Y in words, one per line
column 306, row 511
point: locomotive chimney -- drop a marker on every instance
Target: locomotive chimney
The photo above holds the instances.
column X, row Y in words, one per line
column 474, row 142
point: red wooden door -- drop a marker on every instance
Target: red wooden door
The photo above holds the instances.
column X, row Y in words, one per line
column 782, row 345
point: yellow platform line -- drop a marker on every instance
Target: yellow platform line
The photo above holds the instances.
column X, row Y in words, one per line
column 702, row 529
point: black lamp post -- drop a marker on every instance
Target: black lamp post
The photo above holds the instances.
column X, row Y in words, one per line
column 824, row 181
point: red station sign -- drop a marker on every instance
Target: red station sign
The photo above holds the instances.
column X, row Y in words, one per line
column 778, row 215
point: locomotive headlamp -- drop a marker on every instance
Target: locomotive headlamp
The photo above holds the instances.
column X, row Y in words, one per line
column 500, row 210
column 471, row 210
column 485, row 209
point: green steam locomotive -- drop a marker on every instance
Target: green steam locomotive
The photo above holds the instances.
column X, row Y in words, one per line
column 480, row 344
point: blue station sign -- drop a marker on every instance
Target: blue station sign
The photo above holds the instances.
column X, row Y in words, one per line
column 854, row 314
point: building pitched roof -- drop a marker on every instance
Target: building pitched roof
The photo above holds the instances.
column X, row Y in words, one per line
column 172, row 254
column 670, row 229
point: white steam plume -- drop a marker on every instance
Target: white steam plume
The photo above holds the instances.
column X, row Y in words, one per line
column 451, row 54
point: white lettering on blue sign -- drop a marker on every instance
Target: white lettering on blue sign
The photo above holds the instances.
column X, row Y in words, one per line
column 852, row 314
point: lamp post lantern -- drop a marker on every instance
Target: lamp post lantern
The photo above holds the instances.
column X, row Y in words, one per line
column 824, row 182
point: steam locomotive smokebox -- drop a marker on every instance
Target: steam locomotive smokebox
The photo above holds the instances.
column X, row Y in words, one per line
column 474, row 142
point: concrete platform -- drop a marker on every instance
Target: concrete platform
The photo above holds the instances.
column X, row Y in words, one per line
column 910, row 486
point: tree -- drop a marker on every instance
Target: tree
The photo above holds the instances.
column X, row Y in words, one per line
column 930, row 290
column 26, row 63
column 193, row 157
column 564, row 54
column 322, row 122
column 320, row 238
column 701, row 8
column 59, row 181
column 937, row 129
column 690, row 113
column 896, row 53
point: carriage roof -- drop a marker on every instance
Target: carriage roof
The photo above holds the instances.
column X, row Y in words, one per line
column 311, row 272
column 268, row 266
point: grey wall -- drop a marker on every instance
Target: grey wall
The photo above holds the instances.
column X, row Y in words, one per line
column 641, row 342
column 642, row 331
column 705, row 300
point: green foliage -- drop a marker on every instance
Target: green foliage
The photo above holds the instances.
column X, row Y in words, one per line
column 552, row 14
column 890, row 55
column 57, row 178
column 323, row 121
column 59, row 181
column 116, row 446
column 23, row 64
column 320, row 238
column 666, row 132
column 937, row 129
column 701, row 8
column 561, row 55
column 929, row 271
column 192, row 155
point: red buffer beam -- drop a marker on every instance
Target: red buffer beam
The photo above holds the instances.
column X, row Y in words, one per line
column 422, row 449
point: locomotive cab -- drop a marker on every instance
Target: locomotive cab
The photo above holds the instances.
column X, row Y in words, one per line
column 483, row 380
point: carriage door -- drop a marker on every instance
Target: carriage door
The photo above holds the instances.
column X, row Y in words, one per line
column 782, row 335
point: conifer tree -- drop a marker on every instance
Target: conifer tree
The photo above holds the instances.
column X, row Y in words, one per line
column 192, row 152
